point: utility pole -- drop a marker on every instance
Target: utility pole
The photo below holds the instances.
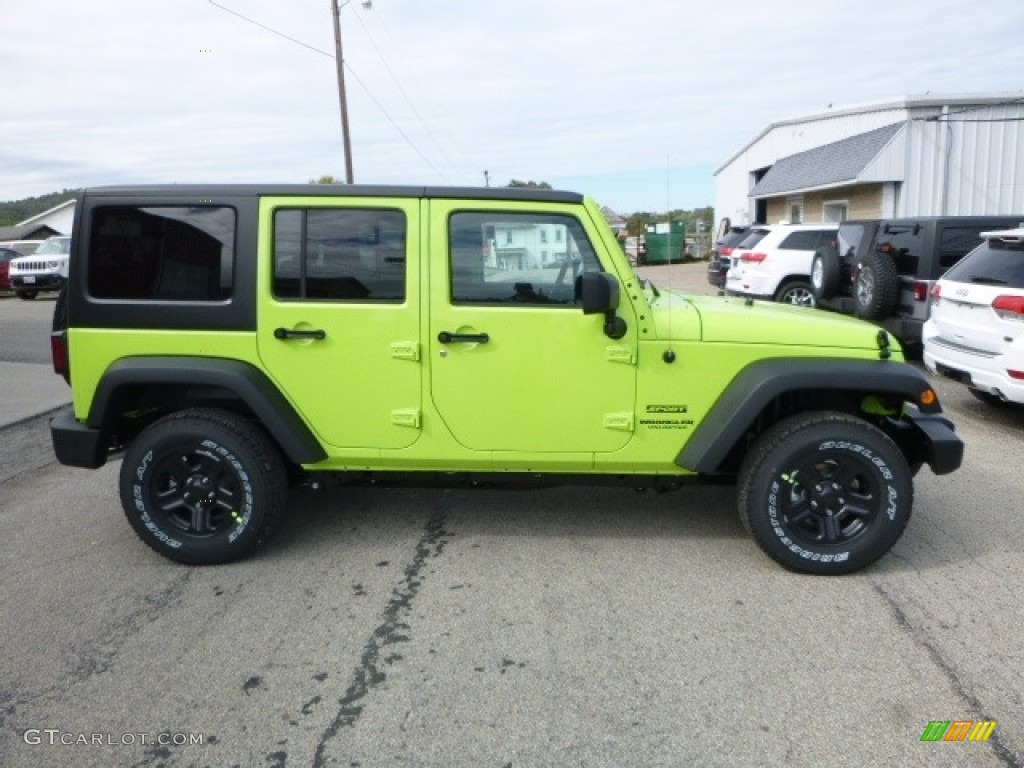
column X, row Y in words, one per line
column 340, row 60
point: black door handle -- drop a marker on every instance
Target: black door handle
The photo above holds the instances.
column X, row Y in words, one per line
column 447, row 337
column 291, row 333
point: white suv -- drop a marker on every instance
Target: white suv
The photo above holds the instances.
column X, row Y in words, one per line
column 774, row 261
column 975, row 333
column 45, row 269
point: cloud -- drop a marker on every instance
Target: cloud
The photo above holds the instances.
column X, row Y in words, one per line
column 614, row 94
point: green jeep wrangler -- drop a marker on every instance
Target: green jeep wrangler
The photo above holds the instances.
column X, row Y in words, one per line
column 232, row 341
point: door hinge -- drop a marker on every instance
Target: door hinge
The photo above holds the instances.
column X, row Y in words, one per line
column 620, row 354
column 620, row 421
column 405, row 350
column 406, row 417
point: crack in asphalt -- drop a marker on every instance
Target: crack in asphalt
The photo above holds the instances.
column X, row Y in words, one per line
column 391, row 631
column 1008, row 756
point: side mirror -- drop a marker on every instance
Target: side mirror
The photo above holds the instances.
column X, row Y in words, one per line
column 598, row 293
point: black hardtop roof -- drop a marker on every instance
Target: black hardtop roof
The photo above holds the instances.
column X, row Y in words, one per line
column 207, row 191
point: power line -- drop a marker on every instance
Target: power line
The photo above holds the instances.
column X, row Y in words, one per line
column 347, row 67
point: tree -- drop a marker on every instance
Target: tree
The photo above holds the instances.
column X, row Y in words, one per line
column 328, row 179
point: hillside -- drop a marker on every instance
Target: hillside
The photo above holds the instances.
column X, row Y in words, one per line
column 18, row 210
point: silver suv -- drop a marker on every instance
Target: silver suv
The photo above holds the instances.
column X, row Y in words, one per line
column 46, row 269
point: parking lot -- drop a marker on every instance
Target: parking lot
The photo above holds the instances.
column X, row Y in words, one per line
column 571, row 626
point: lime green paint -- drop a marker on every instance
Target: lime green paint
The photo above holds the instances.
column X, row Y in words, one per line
column 93, row 350
column 348, row 385
column 549, row 392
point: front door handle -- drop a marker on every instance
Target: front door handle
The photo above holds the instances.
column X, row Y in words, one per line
column 293, row 333
column 447, row 337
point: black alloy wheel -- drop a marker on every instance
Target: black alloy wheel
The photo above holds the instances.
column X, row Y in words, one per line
column 825, row 493
column 203, row 486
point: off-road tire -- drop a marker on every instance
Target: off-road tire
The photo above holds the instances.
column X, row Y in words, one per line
column 825, row 274
column 825, row 493
column 877, row 287
column 797, row 293
column 203, row 486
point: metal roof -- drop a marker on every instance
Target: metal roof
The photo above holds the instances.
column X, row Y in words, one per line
column 830, row 165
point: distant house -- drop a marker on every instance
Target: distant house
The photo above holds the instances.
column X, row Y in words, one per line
column 56, row 221
column 916, row 156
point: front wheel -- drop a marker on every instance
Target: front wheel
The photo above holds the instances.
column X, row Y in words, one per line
column 203, row 486
column 27, row 295
column 825, row 493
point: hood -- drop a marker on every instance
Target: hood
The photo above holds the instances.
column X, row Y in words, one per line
column 732, row 319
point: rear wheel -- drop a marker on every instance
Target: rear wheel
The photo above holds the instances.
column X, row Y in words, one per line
column 203, row 486
column 877, row 288
column 796, row 292
column 825, row 493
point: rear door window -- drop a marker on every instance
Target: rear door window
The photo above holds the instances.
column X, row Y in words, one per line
column 343, row 254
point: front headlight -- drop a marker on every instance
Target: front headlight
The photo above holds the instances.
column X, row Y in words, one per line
column 53, row 265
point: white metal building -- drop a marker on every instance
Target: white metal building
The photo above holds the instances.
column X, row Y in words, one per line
column 917, row 156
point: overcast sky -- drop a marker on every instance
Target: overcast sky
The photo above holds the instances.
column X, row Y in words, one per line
column 635, row 102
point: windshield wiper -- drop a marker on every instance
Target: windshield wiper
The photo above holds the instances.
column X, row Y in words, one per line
column 987, row 280
column 648, row 284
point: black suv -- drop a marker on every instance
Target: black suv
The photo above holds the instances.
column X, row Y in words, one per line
column 883, row 269
column 719, row 263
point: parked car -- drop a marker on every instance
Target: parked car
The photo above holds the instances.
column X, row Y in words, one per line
column 722, row 253
column 45, row 269
column 774, row 261
column 6, row 254
column 228, row 349
column 23, row 247
column 975, row 333
column 883, row 269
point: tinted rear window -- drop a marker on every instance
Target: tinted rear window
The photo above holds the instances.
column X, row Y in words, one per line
column 752, row 238
column 992, row 263
column 732, row 238
column 159, row 253
column 806, row 239
column 849, row 238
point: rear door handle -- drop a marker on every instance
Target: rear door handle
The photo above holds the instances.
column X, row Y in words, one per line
column 447, row 337
column 294, row 333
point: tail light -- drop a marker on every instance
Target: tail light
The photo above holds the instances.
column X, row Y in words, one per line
column 753, row 257
column 59, row 354
column 936, row 293
column 920, row 291
column 726, row 250
column 1009, row 307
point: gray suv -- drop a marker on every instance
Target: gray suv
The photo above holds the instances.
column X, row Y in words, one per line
column 883, row 269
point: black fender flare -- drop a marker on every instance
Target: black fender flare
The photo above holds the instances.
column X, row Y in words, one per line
column 761, row 382
column 250, row 384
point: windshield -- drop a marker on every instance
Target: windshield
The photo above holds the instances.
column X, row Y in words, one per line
column 55, row 245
